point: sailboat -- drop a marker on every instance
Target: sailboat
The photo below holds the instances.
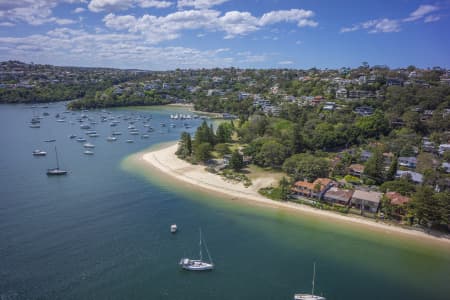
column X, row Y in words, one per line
column 309, row 296
column 197, row 264
column 57, row 170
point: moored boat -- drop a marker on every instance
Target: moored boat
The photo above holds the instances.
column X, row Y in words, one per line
column 56, row 171
column 38, row 152
column 309, row 296
column 197, row 264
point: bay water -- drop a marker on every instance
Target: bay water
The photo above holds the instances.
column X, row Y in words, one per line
column 102, row 231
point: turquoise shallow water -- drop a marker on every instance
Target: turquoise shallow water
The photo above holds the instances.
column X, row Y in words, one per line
column 102, row 232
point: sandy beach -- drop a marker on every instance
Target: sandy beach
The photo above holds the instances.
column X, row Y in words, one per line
column 165, row 161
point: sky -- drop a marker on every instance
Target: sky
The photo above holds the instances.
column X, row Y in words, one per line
column 170, row 34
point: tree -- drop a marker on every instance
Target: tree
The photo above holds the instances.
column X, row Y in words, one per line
column 236, row 161
column 223, row 133
column 223, row 149
column 284, row 188
column 402, row 186
column 184, row 145
column 306, row 166
column 373, row 168
column 202, row 152
column 429, row 208
column 390, row 174
column 272, row 154
column 204, row 134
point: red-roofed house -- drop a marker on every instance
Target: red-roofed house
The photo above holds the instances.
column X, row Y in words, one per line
column 315, row 189
column 399, row 202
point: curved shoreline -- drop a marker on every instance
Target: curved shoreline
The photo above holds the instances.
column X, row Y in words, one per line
column 165, row 161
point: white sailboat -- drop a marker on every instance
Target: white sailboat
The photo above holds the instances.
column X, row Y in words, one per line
column 198, row 264
column 309, row 296
column 56, row 171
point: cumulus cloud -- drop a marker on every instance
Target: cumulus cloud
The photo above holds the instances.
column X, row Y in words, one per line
column 114, row 5
column 200, row 4
column 233, row 23
column 394, row 25
column 78, row 47
column 34, row 12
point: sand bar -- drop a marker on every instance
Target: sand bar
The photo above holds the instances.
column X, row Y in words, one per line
column 165, row 160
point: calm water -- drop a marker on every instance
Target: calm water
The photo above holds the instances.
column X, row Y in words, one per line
column 102, row 232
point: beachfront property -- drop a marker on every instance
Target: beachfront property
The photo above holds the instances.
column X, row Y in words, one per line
column 338, row 196
column 398, row 202
column 315, row 189
column 366, row 201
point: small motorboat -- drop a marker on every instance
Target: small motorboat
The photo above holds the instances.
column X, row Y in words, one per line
column 38, row 152
column 173, row 228
column 88, row 152
column 88, row 145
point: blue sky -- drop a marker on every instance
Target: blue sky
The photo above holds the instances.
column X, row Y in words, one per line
column 169, row 34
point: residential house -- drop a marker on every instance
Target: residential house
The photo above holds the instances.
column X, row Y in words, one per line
column 356, row 170
column 388, row 156
column 329, row 106
column 394, row 82
column 366, row 201
column 443, row 148
column 409, row 162
column 427, row 145
column 336, row 195
column 415, row 177
column 399, row 202
column 341, row 93
column 364, row 110
column 365, row 155
column 315, row 189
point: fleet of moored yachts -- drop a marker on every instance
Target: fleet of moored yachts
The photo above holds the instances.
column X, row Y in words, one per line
column 199, row 264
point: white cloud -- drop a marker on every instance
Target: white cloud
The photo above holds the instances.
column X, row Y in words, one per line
column 200, row 4
column 429, row 19
column 79, row 10
column 301, row 16
column 6, row 24
column 114, row 5
column 286, row 62
column 63, row 46
column 393, row 25
column 233, row 23
column 421, row 12
column 34, row 12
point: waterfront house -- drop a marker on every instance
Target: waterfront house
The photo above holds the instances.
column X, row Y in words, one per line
column 356, row 170
column 409, row 162
column 415, row 177
column 314, row 189
column 398, row 202
column 366, row 201
column 339, row 196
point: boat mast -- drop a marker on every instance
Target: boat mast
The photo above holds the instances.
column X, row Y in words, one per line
column 57, row 161
column 201, row 256
column 314, row 276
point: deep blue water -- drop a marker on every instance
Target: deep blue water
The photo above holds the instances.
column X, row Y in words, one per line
column 102, row 231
